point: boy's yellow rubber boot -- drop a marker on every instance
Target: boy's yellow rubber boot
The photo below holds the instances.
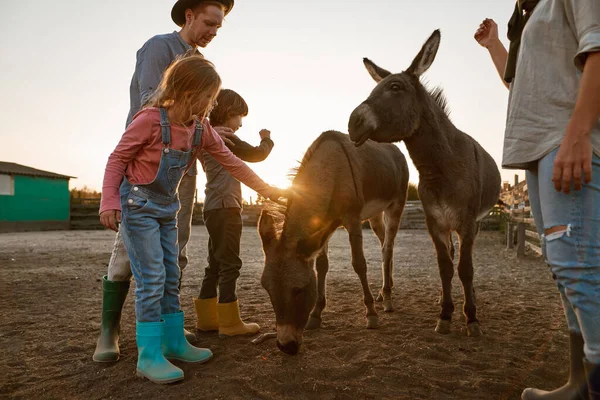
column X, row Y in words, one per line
column 230, row 323
column 206, row 313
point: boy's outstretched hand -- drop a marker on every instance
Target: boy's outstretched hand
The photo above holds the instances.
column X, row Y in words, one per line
column 111, row 219
column 264, row 133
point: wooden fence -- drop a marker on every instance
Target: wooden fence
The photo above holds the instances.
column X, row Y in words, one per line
column 413, row 216
column 84, row 215
column 520, row 227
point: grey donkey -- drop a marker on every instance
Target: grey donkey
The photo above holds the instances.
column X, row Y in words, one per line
column 336, row 185
column 459, row 181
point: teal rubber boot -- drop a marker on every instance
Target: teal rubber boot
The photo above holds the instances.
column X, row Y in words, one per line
column 175, row 344
column 191, row 337
column 113, row 297
column 152, row 364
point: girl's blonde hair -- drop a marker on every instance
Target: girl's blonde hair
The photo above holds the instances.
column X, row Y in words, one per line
column 185, row 84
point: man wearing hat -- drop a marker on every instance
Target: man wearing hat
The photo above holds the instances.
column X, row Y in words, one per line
column 199, row 21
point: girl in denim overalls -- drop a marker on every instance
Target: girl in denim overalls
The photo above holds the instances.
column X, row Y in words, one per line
column 155, row 151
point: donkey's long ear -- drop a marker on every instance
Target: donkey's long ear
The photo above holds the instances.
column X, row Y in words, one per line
column 267, row 230
column 425, row 58
column 309, row 248
column 376, row 72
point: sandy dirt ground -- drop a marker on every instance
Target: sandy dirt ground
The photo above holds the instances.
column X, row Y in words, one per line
column 50, row 302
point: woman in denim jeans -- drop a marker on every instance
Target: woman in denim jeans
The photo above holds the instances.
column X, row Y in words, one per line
column 553, row 132
column 140, row 191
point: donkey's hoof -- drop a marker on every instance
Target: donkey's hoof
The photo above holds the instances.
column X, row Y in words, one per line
column 388, row 306
column 372, row 322
column 379, row 298
column 474, row 329
column 443, row 326
column 313, row 323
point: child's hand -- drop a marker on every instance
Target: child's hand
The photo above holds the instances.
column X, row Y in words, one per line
column 110, row 219
column 276, row 193
column 264, row 133
column 226, row 134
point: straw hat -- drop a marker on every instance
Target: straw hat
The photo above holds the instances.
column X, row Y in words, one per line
column 178, row 11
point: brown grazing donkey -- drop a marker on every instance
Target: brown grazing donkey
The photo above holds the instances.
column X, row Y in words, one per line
column 459, row 181
column 336, row 185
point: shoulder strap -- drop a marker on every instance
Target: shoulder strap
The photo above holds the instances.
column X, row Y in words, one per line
column 165, row 126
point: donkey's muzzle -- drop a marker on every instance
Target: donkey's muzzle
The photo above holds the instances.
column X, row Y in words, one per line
column 290, row 348
column 362, row 122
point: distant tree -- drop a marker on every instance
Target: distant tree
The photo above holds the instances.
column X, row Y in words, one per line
column 413, row 192
column 84, row 193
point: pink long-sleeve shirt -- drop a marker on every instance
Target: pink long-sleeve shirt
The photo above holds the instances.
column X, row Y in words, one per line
column 137, row 156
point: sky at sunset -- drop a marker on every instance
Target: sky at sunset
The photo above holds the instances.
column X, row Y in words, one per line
column 66, row 66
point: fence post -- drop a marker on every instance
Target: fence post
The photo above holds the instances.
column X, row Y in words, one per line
column 520, row 239
column 509, row 236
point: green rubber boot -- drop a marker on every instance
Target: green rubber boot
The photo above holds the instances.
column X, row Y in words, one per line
column 151, row 363
column 113, row 297
column 175, row 344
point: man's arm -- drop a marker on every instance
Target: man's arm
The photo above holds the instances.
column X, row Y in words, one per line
column 153, row 61
column 487, row 36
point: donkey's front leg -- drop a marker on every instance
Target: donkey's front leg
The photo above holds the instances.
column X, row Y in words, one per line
column 439, row 236
column 392, row 223
column 378, row 227
column 467, row 234
column 359, row 263
column 314, row 321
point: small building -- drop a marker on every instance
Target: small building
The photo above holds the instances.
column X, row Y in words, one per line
column 31, row 199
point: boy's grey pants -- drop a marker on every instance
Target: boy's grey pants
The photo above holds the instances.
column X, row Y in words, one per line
column 224, row 227
column 118, row 267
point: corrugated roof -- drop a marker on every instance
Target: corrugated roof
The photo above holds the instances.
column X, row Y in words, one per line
column 17, row 169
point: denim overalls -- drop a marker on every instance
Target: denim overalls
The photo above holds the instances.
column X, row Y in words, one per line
column 149, row 229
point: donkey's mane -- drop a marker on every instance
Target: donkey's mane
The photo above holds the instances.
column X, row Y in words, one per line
column 440, row 99
column 278, row 211
column 437, row 94
column 327, row 135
